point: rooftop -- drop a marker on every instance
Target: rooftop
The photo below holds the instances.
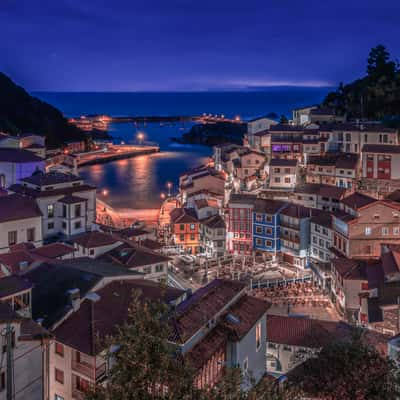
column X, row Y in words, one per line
column 93, row 321
column 214, row 222
column 268, row 206
column 53, row 250
column 19, row 156
column 381, row 148
column 357, row 200
column 283, row 162
column 13, row 284
column 183, row 215
column 202, row 306
column 15, row 207
column 51, row 178
column 94, row 239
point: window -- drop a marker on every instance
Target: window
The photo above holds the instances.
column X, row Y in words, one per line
column 192, row 236
column 78, row 210
column 64, row 225
column 277, row 180
column 258, row 336
column 30, row 234
column 269, row 231
column 192, row 227
column 259, row 217
column 50, row 226
column 277, row 170
column 181, row 238
column 91, row 252
column 64, row 211
column 78, row 225
column 59, row 349
column 2, row 381
column 396, row 230
column 259, row 229
column 268, row 243
column 58, row 397
column 258, row 242
column 159, row 268
column 245, row 364
column 385, row 230
column 12, row 238
column 287, row 170
column 50, row 210
column 268, row 218
column 367, row 231
column 147, row 270
column 59, row 375
column 287, row 180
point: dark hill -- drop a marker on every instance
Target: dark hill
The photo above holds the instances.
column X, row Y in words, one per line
column 20, row 112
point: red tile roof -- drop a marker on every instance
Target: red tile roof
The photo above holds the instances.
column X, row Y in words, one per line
column 95, row 239
column 202, row 306
column 96, row 320
column 15, row 207
column 53, row 250
column 357, row 200
column 183, row 215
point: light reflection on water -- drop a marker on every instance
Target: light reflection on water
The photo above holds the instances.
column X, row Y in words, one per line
column 138, row 182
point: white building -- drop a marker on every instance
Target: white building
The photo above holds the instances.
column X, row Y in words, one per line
column 282, row 173
column 68, row 204
column 20, row 222
column 257, row 125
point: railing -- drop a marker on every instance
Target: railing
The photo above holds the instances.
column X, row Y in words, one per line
column 290, row 225
column 290, row 238
column 88, row 370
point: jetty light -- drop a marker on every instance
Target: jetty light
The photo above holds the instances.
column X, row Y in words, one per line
column 140, row 137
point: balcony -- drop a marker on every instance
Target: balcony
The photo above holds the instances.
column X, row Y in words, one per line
column 290, row 238
column 290, row 225
column 88, row 370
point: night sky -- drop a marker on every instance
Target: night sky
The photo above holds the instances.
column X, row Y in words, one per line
column 131, row 45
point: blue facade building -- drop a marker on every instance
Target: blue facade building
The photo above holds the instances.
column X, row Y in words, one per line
column 266, row 225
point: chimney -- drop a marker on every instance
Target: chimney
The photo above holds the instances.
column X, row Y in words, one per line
column 74, row 297
column 23, row 266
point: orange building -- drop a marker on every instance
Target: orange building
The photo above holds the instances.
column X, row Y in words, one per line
column 186, row 229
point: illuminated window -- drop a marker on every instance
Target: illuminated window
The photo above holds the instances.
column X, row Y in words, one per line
column 258, row 336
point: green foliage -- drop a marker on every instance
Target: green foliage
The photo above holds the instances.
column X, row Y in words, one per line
column 20, row 113
column 146, row 362
column 347, row 370
column 375, row 96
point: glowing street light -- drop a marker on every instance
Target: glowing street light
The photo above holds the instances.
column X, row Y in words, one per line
column 169, row 186
column 140, row 137
column 162, row 195
column 237, row 118
column 104, row 192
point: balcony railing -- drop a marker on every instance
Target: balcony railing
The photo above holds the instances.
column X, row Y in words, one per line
column 290, row 238
column 88, row 370
column 290, row 225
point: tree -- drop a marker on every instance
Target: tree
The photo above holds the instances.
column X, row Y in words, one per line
column 347, row 370
column 283, row 120
column 147, row 366
column 379, row 63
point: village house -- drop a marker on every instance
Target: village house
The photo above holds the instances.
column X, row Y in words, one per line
column 201, row 178
column 325, row 115
column 292, row 340
column 350, row 137
column 213, row 236
column 266, row 225
column 333, row 169
column 323, row 197
column 239, row 238
column 16, row 164
column 68, row 204
column 381, row 161
column 220, row 325
column 301, row 116
column 20, row 222
column 321, row 244
column 77, row 361
column 365, row 225
column 257, row 125
column 295, row 234
column 283, row 173
column 186, row 229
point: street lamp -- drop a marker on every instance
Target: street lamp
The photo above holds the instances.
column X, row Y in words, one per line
column 169, row 186
column 162, row 195
column 104, row 192
column 140, row 137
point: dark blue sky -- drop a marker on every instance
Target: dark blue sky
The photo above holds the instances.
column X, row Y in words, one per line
column 128, row 45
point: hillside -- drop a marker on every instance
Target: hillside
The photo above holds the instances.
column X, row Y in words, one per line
column 376, row 95
column 20, row 112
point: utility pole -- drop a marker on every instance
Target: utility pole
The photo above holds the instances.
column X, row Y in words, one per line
column 10, row 362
